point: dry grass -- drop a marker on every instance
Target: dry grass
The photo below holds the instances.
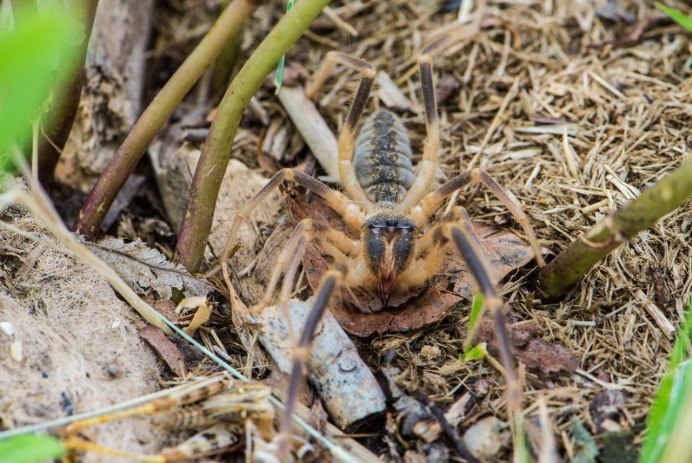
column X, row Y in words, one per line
column 574, row 120
column 570, row 111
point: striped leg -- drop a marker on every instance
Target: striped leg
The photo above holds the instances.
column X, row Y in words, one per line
column 348, row 132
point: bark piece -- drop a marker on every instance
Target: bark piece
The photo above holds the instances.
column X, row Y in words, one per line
column 346, row 385
column 110, row 101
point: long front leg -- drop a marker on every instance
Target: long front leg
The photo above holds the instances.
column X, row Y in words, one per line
column 422, row 212
column 350, row 212
column 347, row 136
column 462, row 235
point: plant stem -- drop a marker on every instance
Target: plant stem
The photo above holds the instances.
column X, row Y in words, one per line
column 577, row 259
column 157, row 113
column 58, row 122
column 216, row 152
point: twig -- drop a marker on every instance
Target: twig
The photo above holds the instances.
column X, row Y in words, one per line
column 577, row 259
column 199, row 211
column 147, row 126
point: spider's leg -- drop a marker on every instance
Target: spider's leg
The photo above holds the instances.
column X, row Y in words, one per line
column 347, row 136
column 332, row 242
column 432, row 202
column 301, row 351
column 350, row 211
column 428, row 163
column 468, row 244
column 306, row 230
column 457, row 229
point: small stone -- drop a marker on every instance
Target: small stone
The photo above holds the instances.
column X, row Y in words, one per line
column 7, row 328
column 430, row 352
column 487, row 438
column 16, row 351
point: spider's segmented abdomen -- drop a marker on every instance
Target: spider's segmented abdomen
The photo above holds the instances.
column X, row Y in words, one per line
column 382, row 158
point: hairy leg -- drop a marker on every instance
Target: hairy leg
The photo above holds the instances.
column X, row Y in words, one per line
column 347, row 136
column 428, row 164
column 351, row 213
column 458, row 231
column 422, row 212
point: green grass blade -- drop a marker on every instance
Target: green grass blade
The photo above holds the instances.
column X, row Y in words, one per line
column 675, row 392
column 30, row 448
column 479, row 351
column 279, row 78
column 678, row 16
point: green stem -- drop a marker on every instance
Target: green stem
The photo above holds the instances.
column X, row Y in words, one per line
column 577, row 259
column 150, row 122
column 216, row 153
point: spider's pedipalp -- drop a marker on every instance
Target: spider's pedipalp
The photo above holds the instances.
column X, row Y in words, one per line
column 468, row 245
column 347, row 136
column 427, row 206
column 428, row 163
column 301, row 351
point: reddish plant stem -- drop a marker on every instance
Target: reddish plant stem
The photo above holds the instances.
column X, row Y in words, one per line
column 58, row 123
column 157, row 113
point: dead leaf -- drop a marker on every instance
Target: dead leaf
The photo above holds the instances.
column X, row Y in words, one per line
column 202, row 313
column 548, row 360
column 145, row 269
column 164, row 348
column 363, row 314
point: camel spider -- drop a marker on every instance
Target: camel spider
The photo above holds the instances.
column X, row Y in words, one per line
column 390, row 209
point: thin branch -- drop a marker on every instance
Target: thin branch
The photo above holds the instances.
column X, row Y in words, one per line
column 577, row 259
column 150, row 122
column 217, row 149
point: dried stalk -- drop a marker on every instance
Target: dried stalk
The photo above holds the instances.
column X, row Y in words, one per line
column 577, row 259
column 217, row 149
column 150, row 122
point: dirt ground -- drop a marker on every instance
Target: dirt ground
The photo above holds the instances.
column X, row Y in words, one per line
column 574, row 107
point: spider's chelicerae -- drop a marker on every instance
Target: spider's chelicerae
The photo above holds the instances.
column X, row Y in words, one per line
column 390, row 208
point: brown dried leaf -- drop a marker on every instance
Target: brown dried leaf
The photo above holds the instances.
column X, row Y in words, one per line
column 164, row 348
column 548, row 360
column 361, row 313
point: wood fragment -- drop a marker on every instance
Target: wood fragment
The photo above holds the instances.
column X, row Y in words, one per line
column 315, row 131
column 391, row 95
column 346, row 385
column 659, row 318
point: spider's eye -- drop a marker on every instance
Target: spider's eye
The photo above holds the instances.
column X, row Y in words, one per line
column 378, row 225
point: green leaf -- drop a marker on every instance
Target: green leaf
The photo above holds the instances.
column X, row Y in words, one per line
column 278, row 79
column 678, row 16
column 30, row 448
column 31, row 57
column 475, row 353
column 476, row 310
column 585, row 447
column 674, row 391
